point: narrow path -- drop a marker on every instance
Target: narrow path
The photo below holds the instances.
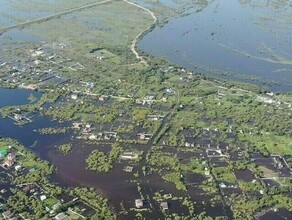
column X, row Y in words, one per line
column 134, row 42
column 29, row 22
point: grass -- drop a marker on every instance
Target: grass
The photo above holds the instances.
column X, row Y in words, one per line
column 50, row 202
column 273, row 143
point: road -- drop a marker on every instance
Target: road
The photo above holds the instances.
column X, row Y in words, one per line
column 38, row 20
column 134, row 42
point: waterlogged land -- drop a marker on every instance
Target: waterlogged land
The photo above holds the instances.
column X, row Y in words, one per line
column 148, row 139
column 251, row 44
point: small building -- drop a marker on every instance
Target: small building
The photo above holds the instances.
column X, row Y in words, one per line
column 222, row 185
column 74, row 96
column 138, row 101
column 143, row 136
column 17, row 117
column 89, row 125
column 77, row 125
column 101, row 98
column 92, row 137
column 11, row 156
column 207, row 171
column 8, row 163
column 164, row 205
column 17, row 167
column 43, row 197
column 190, row 142
column 129, row 155
column 7, row 215
column 138, row 203
column 61, row 216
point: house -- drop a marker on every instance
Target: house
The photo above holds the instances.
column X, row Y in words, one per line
column 222, row 185
column 88, row 125
column 7, row 215
column 8, row 163
column 74, row 96
column 138, row 203
column 143, row 136
column 17, row 167
column 77, row 125
column 138, row 101
column 43, row 197
column 207, row 171
column 92, row 137
column 129, row 155
column 190, row 142
column 101, row 98
column 11, row 156
column 164, row 205
column 17, row 117
column 61, row 216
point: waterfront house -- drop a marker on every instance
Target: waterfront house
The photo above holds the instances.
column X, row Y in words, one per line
column 129, row 155
column 164, row 205
column 190, row 142
column 138, row 203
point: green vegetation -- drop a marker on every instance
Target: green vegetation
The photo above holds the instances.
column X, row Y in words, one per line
column 103, row 211
column 175, row 178
column 65, row 148
column 52, row 131
column 244, row 208
column 100, row 162
column 115, row 102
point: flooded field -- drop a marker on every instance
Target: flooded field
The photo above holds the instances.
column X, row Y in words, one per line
column 249, row 43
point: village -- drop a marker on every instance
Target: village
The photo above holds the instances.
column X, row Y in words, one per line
column 185, row 148
column 16, row 162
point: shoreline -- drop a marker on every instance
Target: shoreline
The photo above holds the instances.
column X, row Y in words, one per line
column 142, row 33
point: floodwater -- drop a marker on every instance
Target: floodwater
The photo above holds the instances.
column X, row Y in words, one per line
column 247, row 41
column 11, row 97
column 118, row 186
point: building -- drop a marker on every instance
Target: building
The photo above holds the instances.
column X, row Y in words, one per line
column 17, row 167
column 61, row 216
column 138, row 203
column 74, row 96
column 102, row 98
column 8, row 163
column 11, row 156
column 164, row 205
column 43, row 197
column 7, row 215
column 129, row 155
